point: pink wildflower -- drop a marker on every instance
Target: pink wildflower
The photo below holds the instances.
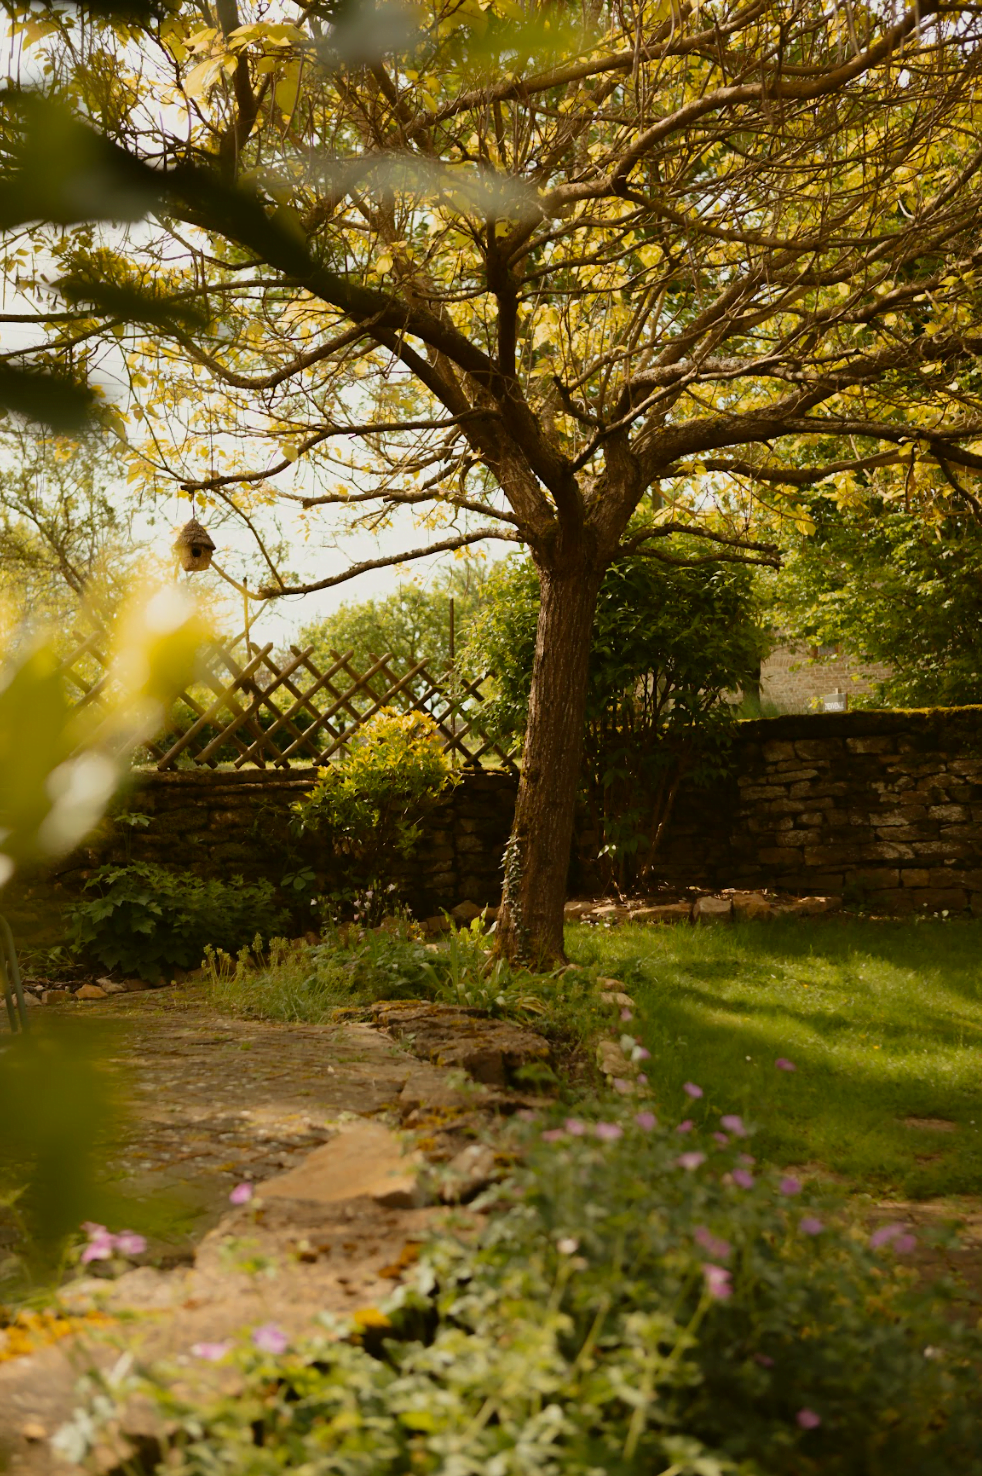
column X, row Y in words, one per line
column 553, row 1135
column 904, row 1244
column 734, row 1125
column 270, row 1339
column 790, row 1185
column 690, row 1161
column 608, row 1132
column 808, row 1419
column 100, row 1247
column 809, row 1225
column 717, row 1281
column 130, row 1244
column 691, row 1090
column 721, row 1139
column 211, row 1352
column 744, row 1178
column 641, row 1053
column 646, row 1120
column 686, row 1126
column 574, row 1127
column 642, row 1079
column 620, row 1085
column 764, row 1360
column 626, row 1014
column 783, row 1064
column 748, row 1159
column 241, row 1194
column 885, row 1234
column 712, row 1243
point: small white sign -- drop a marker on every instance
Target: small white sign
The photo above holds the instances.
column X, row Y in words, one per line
column 835, row 702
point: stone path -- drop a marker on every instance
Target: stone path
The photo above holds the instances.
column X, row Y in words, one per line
column 336, row 1127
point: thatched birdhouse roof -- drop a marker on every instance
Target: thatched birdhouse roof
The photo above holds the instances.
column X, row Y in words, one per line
column 194, row 547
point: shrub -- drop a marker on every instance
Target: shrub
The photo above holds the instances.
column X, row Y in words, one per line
column 645, row 1305
column 371, row 802
column 145, row 918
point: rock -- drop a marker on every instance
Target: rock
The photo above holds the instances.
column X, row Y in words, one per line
column 33, row 1431
column 617, row 997
column 609, row 912
column 713, row 910
column 612, row 1060
column 56, row 996
column 90, row 991
column 492, row 1051
column 114, row 988
column 751, row 906
column 465, row 913
column 433, row 926
column 106, row 983
column 815, row 906
column 31, row 999
column 468, row 1172
column 665, row 912
column 574, row 911
column 364, row 1159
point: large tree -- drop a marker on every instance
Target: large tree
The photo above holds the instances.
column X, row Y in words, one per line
column 522, row 271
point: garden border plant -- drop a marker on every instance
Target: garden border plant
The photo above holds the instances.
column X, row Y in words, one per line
column 649, row 1299
column 146, row 918
column 372, row 800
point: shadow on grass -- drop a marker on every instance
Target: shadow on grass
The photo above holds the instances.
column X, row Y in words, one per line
column 883, row 1022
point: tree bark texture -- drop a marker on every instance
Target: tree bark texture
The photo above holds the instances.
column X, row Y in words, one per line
column 536, row 864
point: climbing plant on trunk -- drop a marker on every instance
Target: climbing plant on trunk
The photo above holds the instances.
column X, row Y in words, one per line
column 509, row 273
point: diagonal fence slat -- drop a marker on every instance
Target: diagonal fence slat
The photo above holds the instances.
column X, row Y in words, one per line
column 263, row 708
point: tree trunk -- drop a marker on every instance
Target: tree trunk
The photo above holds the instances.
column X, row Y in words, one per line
column 530, row 925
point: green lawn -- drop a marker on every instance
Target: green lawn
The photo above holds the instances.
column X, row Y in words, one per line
column 883, row 1022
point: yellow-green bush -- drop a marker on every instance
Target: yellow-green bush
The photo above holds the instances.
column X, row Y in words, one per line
column 372, row 801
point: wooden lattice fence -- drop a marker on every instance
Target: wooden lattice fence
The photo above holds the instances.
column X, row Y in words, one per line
column 249, row 706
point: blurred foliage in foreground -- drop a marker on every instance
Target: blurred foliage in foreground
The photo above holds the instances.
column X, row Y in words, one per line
column 59, row 767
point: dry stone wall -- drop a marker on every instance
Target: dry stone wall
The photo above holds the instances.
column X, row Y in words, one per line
column 230, row 823
column 883, row 807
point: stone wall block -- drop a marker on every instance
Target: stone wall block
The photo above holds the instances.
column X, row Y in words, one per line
column 939, row 899
column 870, row 745
column 822, row 750
column 953, row 814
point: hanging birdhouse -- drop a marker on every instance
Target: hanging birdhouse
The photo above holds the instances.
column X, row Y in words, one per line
column 194, row 547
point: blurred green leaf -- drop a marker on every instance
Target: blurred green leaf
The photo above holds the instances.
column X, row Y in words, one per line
column 51, row 399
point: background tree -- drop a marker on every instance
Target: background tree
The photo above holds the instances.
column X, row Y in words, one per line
column 670, row 650
column 413, row 622
column 890, row 586
column 529, row 272
column 63, row 535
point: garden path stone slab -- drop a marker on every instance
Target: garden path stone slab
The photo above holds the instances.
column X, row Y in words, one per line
column 491, row 1051
column 296, row 1110
column 364, row 1159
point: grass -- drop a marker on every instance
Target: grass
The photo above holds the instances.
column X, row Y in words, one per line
column 882, row 1020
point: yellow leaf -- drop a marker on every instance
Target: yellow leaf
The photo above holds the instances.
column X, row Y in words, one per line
column 288, row 88
column 200, row 77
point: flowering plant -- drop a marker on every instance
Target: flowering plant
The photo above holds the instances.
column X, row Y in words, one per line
column 634, row 1310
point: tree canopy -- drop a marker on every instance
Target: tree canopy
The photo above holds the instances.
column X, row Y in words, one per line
column 509, row 272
